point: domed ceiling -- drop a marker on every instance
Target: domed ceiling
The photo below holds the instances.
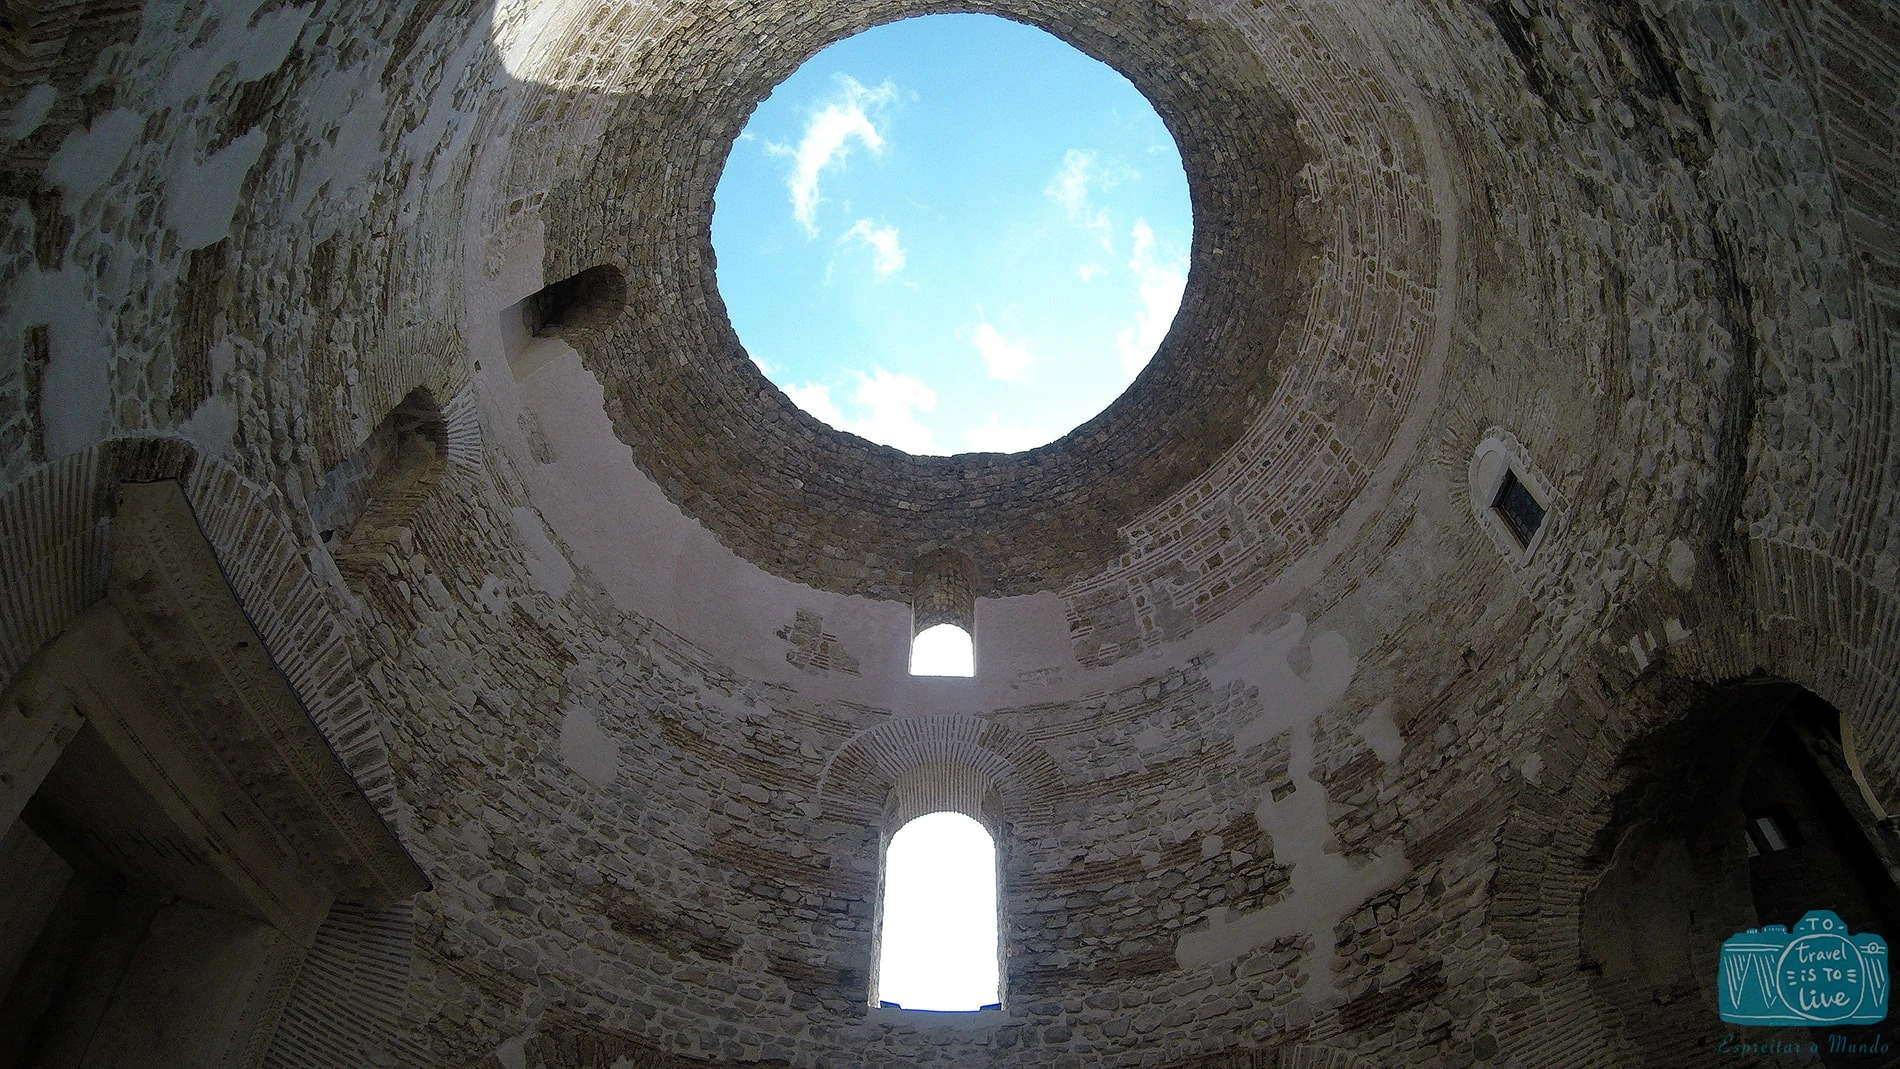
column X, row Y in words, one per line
column 1299, row 754
column 1310, row 332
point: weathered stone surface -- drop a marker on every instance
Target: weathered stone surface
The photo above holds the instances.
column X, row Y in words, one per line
column 1296, row 763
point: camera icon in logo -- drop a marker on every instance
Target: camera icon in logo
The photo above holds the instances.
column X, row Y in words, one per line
column 1815, row 974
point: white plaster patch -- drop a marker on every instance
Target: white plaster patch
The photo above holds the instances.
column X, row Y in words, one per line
column 77, row 395
column 1640, row 647
column 355, row 150
column 1681, row 564
column 223, row 361
column 215, row 422
column 88, row 158
column 654, row 560
column 1501, row 607
column 210, row 428
column 1533, row 768
column 1381, row 733
column 587, row 749
column 1326, row 885
column 548, row 570
column 255, row 49
column 1286, row 697
column 267, row 41
column 520, row 40
column 1154, row 737
column 201, row 199
column 115, row 273
column 439, row 155
column 1026, row 639
column 494, row 596
column 30, row 112
column 475, row 839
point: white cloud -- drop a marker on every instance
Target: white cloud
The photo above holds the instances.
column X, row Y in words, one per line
column 816, row 398
column 1159, row 284
column 884, row 409
column 1005, row 359
column 887, row 253
column 891, row 403
column 1088, row 272
column 824, row 142
column 1070, row 188
column 999, row 437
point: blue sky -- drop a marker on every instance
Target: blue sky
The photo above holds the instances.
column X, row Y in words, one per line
column 953, row 234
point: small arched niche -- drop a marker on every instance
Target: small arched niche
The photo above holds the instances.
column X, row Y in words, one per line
column 381, row 486
column 943, row 615
column 937, row 941
column 576, row 310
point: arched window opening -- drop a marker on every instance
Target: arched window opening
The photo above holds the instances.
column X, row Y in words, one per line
column 943, row 650
column 943, row 615
column 1812, row 841
column 1511, row 496
column 381, row 483
column 938, row 946
column 1741, row 816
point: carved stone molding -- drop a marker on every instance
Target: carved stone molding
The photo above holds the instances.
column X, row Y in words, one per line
column 219, row 728
column 55, row 528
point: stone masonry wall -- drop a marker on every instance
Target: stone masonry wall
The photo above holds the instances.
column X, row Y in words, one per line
column 1322, row 781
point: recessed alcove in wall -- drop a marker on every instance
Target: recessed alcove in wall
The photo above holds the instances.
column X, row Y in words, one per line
column 1684, row 861
column 576, row 310
column 1816, row 842
column 943, row 615
column 192, row 827
column 380, row 485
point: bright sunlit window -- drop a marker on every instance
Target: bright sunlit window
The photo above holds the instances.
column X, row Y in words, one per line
column 953, row 233
column 938, row 949
column 943, row 650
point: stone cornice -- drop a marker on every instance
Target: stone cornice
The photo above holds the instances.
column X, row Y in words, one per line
column 215, row 690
